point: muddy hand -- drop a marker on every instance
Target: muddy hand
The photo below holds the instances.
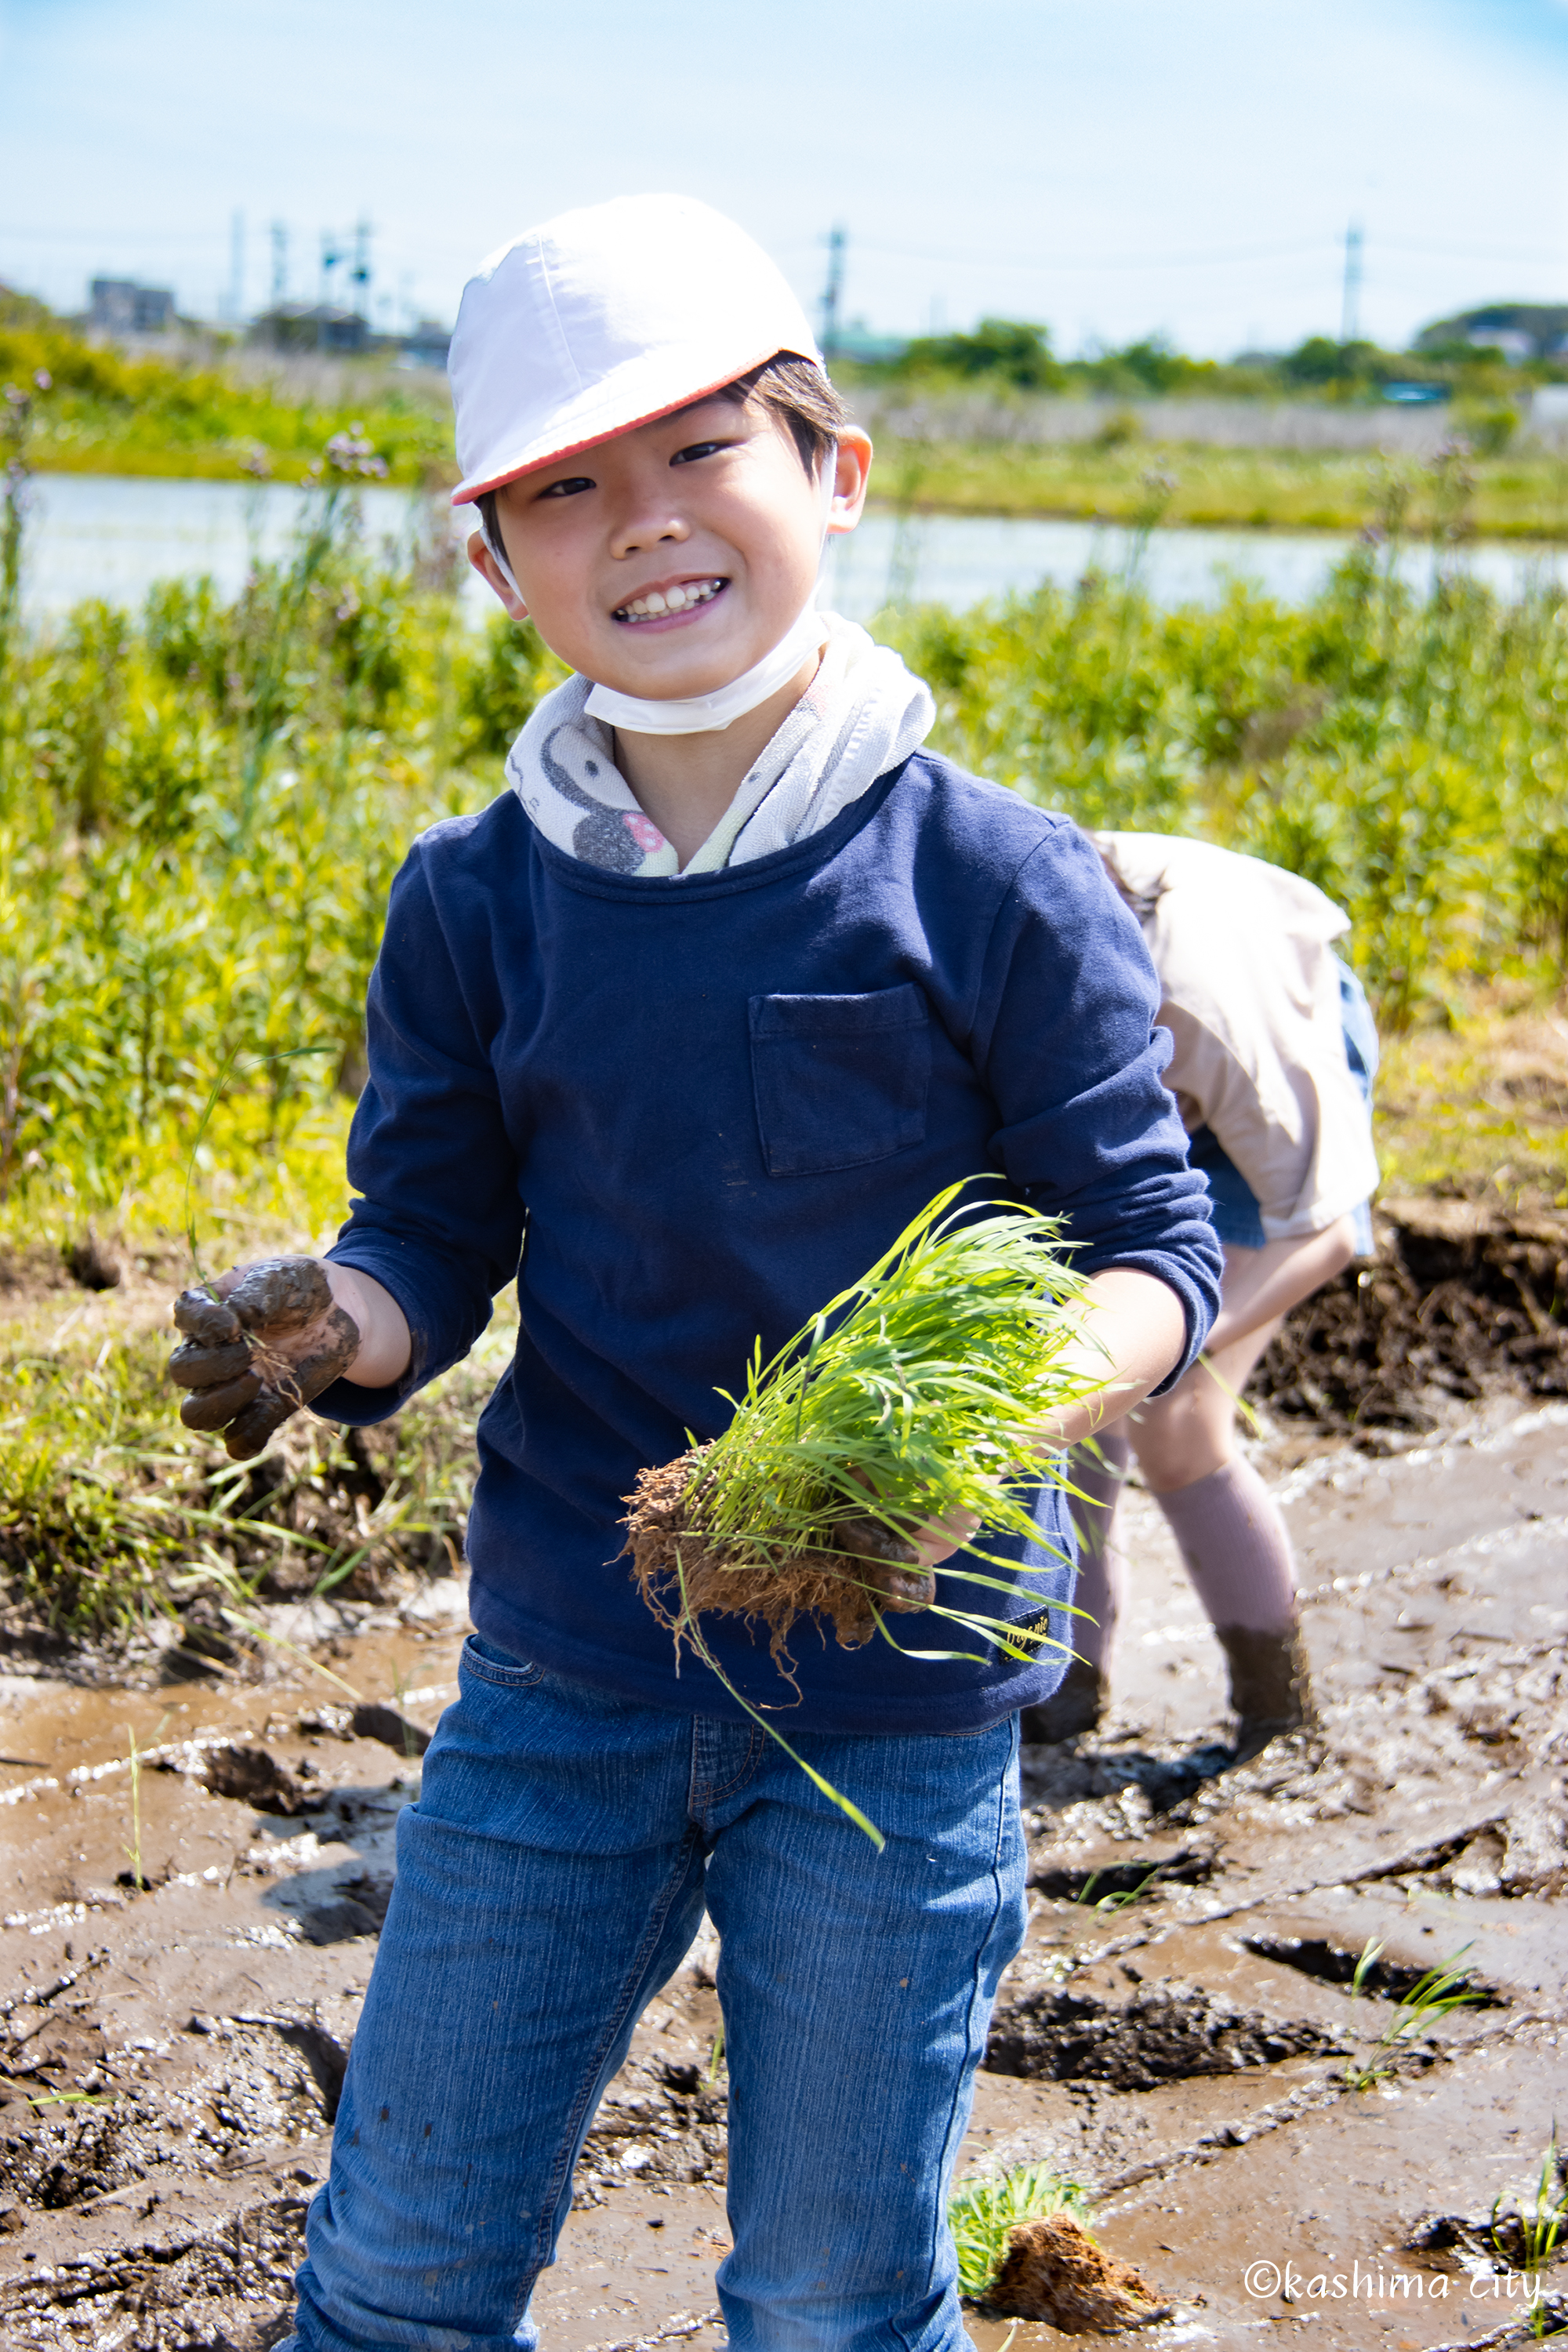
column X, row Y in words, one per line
column 274, row 1340
column 892, row 1568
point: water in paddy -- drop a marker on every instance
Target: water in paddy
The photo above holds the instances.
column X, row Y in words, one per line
column 109, row 536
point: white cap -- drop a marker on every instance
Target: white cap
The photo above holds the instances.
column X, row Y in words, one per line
column 603, row 319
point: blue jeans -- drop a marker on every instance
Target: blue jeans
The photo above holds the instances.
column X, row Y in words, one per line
column 551, row 1878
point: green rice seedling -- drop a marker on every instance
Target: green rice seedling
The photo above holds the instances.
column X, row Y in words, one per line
column 1434, row 1995
column 1119, row 1899
column 1524, row 2236
column 986, row 2208
column 912, row 1400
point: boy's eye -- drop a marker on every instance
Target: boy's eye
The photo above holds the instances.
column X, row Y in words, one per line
column 568, row 488
column 698, row 449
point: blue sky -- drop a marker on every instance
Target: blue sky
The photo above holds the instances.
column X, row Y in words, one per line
column 1112, row 167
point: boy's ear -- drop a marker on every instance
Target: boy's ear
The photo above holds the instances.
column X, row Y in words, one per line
column 490, row 572
column 854, row 472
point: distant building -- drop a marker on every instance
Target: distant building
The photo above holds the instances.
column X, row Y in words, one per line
column 311, row 327
column 425, row 345
column 1521, row 331
column 123, row 308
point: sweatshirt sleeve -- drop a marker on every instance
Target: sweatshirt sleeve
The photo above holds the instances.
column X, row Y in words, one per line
column 439, row 1218
column 1065, row 1038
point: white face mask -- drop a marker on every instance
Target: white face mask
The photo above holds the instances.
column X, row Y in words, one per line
column 702, row 714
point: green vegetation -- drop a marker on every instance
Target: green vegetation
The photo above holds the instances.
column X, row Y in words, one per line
column 906, row 1398
column 1108, row 480
column 1405, row 752
column 201, row 809
column 1436, row 1994
column 982, row 2210
column 97, row 412
column 203, row 803
column 1016, row 353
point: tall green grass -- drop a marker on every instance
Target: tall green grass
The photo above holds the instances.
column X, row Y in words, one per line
column 203, row 803
column 202, row 806
column 1407, row 752
column 102, row 412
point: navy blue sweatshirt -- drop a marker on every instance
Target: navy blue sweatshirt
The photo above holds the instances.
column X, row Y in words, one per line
column 698, row 1108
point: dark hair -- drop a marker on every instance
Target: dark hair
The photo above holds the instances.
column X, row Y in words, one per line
column 795, row 394
column 1142, row 903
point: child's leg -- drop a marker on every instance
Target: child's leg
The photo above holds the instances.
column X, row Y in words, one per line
column 1077, row 1703
column 549, row 1880
column 1233, row 1539
column 857, row 1988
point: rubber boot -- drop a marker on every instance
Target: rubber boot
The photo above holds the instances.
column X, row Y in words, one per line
column 1271, row 1687
column 1074, row 1706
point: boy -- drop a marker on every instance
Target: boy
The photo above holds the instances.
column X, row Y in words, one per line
column 697, row 1016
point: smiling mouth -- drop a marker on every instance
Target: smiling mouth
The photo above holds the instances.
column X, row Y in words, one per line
column 658, row 604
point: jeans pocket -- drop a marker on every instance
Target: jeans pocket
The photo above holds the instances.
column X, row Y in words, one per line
column 498, row 1667
column 839, row 1080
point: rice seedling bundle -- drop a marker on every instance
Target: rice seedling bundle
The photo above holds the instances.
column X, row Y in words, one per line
column 912, row 1400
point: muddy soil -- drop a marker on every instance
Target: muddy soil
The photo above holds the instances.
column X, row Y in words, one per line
column 185, row 1947
column 1462, row 1300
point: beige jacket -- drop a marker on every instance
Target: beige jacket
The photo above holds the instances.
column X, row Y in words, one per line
column 1250, row 994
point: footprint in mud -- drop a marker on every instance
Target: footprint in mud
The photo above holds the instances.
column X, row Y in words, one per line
column 1165, row 2032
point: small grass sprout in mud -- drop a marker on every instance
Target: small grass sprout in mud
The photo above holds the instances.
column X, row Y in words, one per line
column 1527, row 2237
column 984, row 2209
column 1434, row 1995
column 1120, row 1899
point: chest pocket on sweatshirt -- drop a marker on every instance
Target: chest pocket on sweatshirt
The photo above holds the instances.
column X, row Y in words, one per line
column 839, row 1080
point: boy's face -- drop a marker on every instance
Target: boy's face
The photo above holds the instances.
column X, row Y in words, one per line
column 668, row 560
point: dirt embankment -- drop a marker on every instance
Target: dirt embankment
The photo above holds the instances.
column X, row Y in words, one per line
column 1462, row 1301
column 1273, row 2126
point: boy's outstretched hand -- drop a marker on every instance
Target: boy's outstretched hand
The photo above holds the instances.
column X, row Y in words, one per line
column 273, row 1339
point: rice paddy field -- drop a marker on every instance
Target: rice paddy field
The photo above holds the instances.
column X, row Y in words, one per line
column 203, row 801
column 202, row 805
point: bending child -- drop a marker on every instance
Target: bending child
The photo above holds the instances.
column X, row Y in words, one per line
column 1275, row 1055
column 727, row 985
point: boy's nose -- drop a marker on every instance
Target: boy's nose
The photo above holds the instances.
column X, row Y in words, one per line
column 645, row 527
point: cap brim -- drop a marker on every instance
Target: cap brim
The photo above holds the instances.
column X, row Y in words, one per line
column 499, row 471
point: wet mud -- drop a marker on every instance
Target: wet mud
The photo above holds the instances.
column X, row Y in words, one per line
column 1272, row 2143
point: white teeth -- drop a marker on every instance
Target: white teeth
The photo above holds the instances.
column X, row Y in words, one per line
column 672, row 600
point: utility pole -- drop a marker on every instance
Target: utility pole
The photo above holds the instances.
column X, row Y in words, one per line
column 837, row 239
column 359, row 274
column 331, row 254
column 279, row 263
column 1349, row 308
column 236, row 267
